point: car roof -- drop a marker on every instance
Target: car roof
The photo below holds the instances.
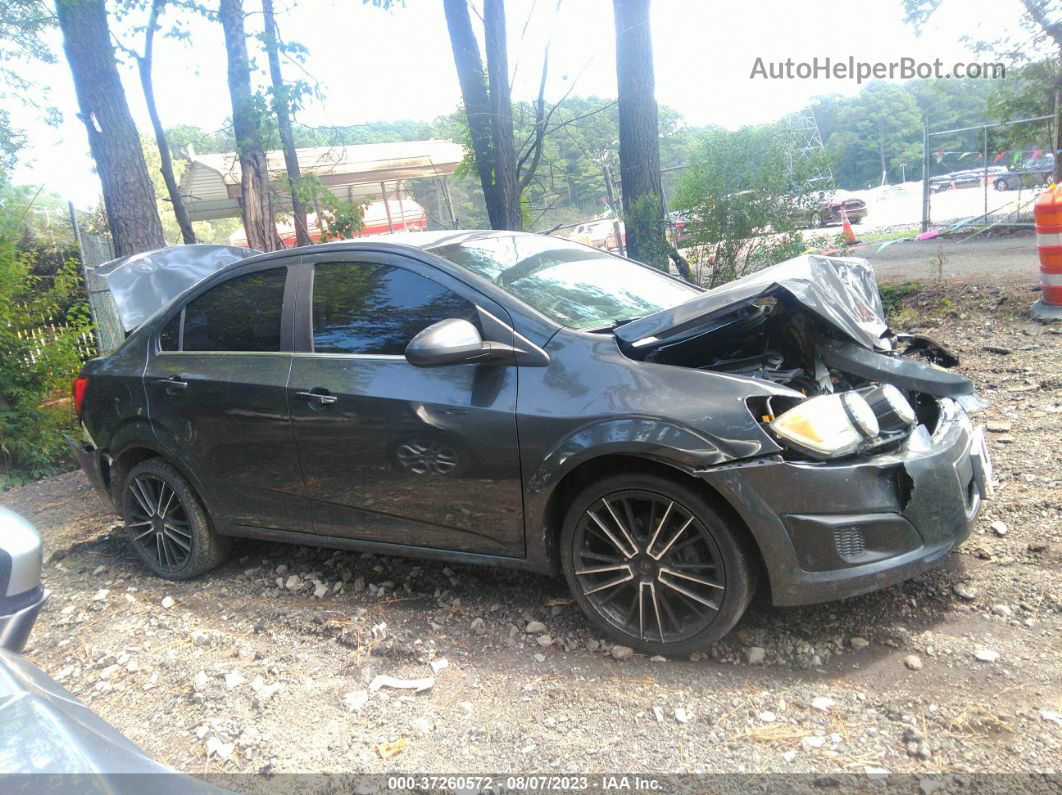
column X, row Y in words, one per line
column 421, row 240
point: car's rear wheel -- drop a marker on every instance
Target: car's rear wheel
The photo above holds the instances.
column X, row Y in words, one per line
column 653, row 564
column 167, row 523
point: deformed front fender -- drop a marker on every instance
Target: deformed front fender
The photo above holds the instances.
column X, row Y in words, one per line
column 651, row 438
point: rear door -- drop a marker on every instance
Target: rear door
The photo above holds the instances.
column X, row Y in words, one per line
column 392, row 452
column 216, row 384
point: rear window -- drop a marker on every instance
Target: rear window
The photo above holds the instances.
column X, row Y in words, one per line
column 240, row 315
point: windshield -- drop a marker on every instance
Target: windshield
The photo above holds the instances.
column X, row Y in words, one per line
column 575, row 285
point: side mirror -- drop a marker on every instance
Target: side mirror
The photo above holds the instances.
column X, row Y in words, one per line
column 455, row 341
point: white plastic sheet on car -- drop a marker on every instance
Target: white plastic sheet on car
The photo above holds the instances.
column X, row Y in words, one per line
column 840, row 290
column 141, row 284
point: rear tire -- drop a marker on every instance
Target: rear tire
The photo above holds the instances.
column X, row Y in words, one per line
column 167, row 523
column 653, row 564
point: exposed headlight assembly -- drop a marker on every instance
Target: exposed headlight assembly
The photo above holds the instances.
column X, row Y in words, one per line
column 893, row 411
column 828, row 426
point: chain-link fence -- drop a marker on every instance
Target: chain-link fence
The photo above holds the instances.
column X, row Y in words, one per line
column 95, row 250
column 986, row 175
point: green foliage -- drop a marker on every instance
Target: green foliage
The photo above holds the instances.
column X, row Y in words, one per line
column 1028, row 92
column 739, row 200
column 880, row 131
column 885, row 121
column 35, row 372
column 893, row 295
column 339, row 220
column 24, row 29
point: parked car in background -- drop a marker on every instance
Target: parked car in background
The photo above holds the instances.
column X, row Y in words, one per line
column 968, row 178
column 824, row 209
column 1032, row 173
column 600, row 234
column 512, row 399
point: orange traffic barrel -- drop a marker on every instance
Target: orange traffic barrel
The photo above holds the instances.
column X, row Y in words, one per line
column 1048, row 216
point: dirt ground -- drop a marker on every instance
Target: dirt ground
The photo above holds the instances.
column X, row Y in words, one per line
column 267, row 663
column 1003, row 257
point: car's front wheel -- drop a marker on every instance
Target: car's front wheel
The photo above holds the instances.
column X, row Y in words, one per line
column 167, row 523
column 654, row 564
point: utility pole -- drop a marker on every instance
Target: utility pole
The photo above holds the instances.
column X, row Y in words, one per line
column 925, row 175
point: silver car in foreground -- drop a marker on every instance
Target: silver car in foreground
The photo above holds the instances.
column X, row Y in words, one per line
column 49, row 741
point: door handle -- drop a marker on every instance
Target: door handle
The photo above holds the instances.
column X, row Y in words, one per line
column 174, row 384
column 318, row 398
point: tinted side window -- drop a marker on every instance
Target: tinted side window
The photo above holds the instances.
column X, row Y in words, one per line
column 169, row 337
column 242, row 314
column 377, row 308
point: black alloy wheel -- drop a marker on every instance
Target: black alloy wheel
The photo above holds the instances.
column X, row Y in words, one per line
column 167, row 523
column 654, row 565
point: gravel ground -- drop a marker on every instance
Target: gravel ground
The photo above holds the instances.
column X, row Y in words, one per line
column 270, row 663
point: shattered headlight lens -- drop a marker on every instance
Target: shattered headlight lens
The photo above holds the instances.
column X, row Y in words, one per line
column 828, row 425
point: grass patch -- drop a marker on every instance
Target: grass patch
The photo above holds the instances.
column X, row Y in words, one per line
column 893, row 295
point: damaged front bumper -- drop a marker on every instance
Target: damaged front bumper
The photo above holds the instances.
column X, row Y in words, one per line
column 829, row 530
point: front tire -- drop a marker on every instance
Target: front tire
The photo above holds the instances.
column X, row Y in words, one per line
column 167, row 524
column 653, row 564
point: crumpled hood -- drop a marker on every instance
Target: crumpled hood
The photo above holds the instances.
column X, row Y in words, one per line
column 141, row 284
column 842, row 291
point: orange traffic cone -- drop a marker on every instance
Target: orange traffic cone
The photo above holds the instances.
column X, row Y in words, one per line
column 849, row 235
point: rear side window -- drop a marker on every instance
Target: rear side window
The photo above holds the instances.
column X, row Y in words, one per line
column 377, row 309
column 242, row 314
column 170, row 336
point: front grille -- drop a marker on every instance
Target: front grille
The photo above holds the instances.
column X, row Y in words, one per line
column 849, row 543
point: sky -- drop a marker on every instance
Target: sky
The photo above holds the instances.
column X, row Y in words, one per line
column 385, row 65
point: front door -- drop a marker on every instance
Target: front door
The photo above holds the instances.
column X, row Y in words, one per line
column 216, row 383
column 391, row 452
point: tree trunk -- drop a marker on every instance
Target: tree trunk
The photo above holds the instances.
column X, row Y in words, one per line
column 254, row 177
column 166, row 166
column 474, row 95
column 501, row 106
column 282, row 108
column 490, row 124
column 128, row 196
column 639, row 145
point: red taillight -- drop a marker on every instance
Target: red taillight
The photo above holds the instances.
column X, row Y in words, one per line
column 80, row 385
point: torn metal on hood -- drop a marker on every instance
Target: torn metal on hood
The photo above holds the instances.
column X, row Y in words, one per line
column 840, row 291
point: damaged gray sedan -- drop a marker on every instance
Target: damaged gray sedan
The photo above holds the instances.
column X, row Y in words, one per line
column 518, row 400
